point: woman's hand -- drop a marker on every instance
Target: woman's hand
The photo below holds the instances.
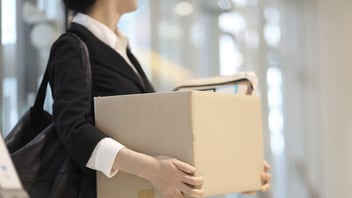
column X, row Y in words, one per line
column 173, row 178
column 265, row 177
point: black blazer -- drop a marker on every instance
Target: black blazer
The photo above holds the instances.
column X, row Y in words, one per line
column 111, row 75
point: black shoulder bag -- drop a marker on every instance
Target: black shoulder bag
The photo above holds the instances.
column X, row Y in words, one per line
column 41, row 161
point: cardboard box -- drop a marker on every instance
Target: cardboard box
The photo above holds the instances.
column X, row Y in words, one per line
column 219, row 134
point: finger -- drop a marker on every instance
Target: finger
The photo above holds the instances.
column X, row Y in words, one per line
column 190, row 196
column 265, row 187
column 192, row 192
column 191, row 180
column 267, row 167
column 266, row 177
column 249, row 193
column 184, row 167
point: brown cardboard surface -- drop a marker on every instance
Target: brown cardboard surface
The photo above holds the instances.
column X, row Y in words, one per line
column 220, row 134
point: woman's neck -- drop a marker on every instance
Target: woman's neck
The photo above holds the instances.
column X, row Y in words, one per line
column 105, row 14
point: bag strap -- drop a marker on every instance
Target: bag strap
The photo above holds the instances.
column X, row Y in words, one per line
column 40, row 98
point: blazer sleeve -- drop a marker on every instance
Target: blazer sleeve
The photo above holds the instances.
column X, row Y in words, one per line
column 71, row 101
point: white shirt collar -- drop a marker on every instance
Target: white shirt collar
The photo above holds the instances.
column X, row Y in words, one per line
column 117, row 41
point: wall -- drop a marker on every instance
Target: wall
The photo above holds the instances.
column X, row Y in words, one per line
column 1, row 72
column 335, row 59
column 318, row 109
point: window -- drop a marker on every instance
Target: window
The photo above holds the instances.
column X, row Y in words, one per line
column 8, row 22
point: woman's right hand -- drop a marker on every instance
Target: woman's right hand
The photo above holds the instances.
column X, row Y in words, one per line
column 174, row 178
column 171, row 177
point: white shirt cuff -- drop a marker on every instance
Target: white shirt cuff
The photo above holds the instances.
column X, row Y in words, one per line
column 103, row 156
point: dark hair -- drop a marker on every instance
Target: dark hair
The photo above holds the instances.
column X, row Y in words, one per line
column 82, row 6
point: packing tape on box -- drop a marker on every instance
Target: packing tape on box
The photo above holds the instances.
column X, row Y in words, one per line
column 146, row 194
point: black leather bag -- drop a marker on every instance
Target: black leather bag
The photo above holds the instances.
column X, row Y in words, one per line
column 43, row 165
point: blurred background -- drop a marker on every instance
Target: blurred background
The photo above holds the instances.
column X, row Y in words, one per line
column 301, row 51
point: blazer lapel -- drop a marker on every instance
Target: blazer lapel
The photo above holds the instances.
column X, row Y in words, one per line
column 147, row 85
column 111, row 59
column 102, row 54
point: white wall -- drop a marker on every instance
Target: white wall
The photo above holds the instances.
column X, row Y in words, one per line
column 335, row 60
column 318, row 130
column 1, row 72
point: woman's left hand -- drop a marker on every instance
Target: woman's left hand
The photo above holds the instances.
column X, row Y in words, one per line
column 265, row 177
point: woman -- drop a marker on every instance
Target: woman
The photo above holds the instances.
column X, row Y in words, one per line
column 114, row 71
